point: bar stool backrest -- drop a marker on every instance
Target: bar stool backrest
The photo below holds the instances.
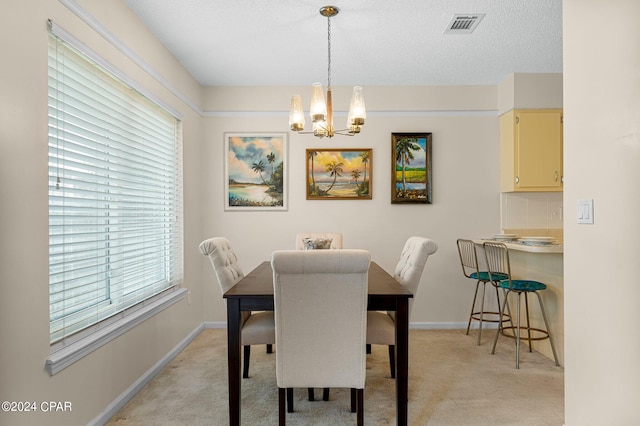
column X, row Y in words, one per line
column 497, row 258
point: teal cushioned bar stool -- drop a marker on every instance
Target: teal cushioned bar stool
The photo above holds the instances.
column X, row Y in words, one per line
column 497, row 258
column 470, row 269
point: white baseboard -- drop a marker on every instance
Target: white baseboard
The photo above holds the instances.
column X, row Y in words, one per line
column 450, row 325
column 126, row 396
column 214, row 324
column 413, row 325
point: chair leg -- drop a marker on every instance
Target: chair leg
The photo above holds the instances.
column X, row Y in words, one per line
column 518, row 333
column 508, row 312
column 269, row 349
column 360, row 414
column 484, row 289
column 289, row 400
column 325, row 394
column 354, row 401
column 473, row 307
column 501, row 309
column 526, row 305
column 392, row 360
column 247, row 356
column 281, row 403
column 546, row 323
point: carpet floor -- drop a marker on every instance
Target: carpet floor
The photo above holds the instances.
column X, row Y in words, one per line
column 452, row 381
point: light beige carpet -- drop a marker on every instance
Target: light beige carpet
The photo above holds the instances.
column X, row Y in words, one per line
column 452, row 381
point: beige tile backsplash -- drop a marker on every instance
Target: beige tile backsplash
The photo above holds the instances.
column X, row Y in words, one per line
column 532, row 213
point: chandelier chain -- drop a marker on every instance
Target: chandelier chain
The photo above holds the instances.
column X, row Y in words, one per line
column 329, row 52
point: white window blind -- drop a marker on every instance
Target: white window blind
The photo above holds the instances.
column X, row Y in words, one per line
column 115, row 194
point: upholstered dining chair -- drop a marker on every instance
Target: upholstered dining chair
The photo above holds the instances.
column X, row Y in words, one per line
column 320, row 302
column 312, row 240
column 408, row 271
column 468, row 253
column 258, row 328
column 497, row 258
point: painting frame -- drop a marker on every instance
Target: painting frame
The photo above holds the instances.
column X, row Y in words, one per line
column 405, row 148
column 258, row 153
column 336, row 162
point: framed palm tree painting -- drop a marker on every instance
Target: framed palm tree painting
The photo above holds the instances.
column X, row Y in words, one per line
column 339, row 174
column 255, row 171
column 411, row 168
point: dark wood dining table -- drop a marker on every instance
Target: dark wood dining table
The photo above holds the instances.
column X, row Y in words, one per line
column 254, row 292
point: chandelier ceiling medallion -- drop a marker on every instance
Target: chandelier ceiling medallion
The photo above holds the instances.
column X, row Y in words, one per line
column 321, row 112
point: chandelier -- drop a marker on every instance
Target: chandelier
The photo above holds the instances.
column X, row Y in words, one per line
column 321, row 112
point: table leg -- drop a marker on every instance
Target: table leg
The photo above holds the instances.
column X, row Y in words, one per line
column 402, row 360
column 233, row 359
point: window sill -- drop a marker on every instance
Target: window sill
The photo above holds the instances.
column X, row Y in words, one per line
column 71, row 353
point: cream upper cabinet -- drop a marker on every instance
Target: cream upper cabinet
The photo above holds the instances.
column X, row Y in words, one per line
column 531, row 150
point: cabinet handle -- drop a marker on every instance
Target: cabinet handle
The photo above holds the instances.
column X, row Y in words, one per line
column 517, row 179
column 556, row 176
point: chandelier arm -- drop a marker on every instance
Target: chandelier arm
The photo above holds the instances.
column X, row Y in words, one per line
column 345, row 132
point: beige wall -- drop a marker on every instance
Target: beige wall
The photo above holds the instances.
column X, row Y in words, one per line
column 96, row 380
column 463, row 121
column 465, row 185
column 530, row 91
column 602, row 154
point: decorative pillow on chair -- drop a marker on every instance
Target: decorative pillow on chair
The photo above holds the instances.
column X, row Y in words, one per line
column 317, row 243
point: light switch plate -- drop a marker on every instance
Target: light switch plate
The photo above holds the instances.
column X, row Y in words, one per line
column 585, row 211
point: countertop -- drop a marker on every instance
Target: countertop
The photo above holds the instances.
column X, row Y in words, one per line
column 554, row 248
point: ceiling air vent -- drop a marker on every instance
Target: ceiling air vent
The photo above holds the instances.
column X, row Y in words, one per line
column 464, row 24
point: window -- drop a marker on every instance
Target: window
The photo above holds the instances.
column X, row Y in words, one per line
column 115, row 195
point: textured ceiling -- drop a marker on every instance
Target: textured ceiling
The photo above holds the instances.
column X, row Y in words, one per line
column 374, row 42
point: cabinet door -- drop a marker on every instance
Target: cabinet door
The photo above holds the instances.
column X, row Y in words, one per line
column 539, row 149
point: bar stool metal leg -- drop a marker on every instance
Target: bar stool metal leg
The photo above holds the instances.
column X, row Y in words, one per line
column 473, row 306
column 526, row 304
column 518, row 332
column 479, row 314
column 546, row 324
column 500, row 327
column 484, row 289
column 508, row 313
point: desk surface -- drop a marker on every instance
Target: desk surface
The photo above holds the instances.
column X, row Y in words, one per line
column 259, row 283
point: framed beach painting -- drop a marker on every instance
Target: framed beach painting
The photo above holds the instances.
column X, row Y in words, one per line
column 411, row 168
column 255, row 167
column 339, row 174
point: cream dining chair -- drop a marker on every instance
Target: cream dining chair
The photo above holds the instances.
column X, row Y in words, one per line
column 258, row 328
column 318, row 240
column 320, row 302
column 381, row 325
